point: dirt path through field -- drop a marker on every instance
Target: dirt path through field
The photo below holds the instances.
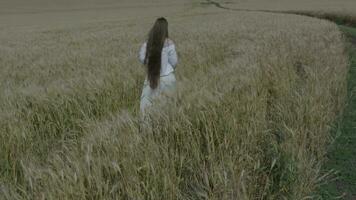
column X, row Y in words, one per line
column 342, row 154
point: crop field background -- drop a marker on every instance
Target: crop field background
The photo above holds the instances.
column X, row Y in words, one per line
column 300, row 5
column 258, row 96
column 341, row 12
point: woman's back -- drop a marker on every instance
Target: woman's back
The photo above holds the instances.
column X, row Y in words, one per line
column 168, row 59
column 159, row 56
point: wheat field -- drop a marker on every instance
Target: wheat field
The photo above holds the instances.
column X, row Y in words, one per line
column 341, row 11
column 257, row 96
column 300, row 5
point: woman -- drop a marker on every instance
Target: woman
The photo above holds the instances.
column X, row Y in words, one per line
column 159, row 56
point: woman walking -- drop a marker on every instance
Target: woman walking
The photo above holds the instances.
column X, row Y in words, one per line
column 159, row 56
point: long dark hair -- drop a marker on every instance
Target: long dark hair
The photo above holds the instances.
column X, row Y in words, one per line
column 155, row 43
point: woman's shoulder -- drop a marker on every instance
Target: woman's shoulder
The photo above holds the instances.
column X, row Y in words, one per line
column 169, row 42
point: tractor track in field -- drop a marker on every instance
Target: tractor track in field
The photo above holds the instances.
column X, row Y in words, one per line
column 345, row 143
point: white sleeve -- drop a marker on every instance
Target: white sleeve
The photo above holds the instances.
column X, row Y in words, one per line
column 142, row 53
column 172, row 56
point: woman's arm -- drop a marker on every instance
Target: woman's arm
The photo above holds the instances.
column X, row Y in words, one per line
column 172, row 56
column 142, row 54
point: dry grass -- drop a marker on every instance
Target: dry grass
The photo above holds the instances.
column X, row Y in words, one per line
column 300, row 5
column 342, row 11
column 341, row 18
column 257, row 96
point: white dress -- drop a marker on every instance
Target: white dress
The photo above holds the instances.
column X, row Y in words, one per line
column 167, row 82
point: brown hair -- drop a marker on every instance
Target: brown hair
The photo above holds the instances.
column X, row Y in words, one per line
column 155, row 43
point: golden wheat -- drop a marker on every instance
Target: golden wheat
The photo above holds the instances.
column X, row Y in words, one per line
column 257, row 94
